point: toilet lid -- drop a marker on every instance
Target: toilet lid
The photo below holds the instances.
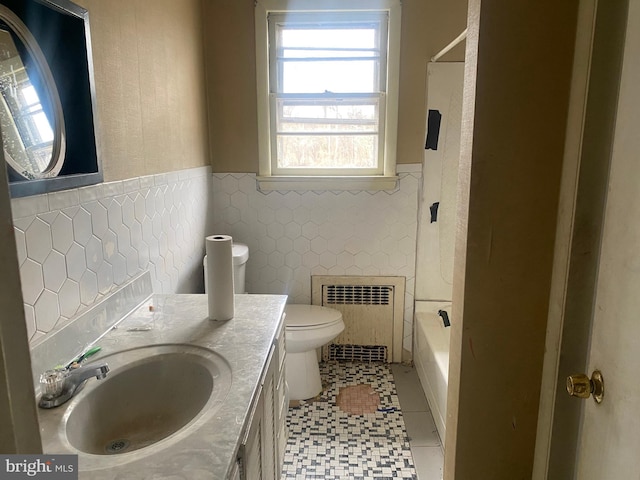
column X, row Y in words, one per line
column 310, row 315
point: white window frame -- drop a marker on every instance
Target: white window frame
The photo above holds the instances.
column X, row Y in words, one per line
column 316, row 180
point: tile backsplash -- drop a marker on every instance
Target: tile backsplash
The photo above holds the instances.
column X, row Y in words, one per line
column 293, row 235
column 76, row 246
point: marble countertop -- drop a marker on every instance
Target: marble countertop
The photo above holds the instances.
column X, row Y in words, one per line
column 208, row 452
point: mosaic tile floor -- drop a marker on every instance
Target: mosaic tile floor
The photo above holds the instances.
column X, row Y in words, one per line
column 353, row 430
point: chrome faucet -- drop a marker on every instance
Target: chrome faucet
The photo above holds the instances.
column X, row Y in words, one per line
column 67, row 383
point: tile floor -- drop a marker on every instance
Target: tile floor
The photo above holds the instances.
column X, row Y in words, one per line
column 364, row 425
column 423, row 436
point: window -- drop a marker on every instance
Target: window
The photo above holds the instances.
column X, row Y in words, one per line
column 327, row 92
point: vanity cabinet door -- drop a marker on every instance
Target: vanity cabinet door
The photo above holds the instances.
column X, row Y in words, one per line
column 282, row 401
column 262, row 449
column 235, row 473
column 270, row 469
column 250, row 457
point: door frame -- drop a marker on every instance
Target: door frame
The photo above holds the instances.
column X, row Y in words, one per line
column 515, row 106
column 590, row 129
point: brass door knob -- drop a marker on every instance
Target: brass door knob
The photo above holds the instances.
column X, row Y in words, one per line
column 581, row 386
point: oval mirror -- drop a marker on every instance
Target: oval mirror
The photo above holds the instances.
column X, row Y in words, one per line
column 31, row 120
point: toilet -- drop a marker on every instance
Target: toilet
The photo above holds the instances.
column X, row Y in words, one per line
column 307, row 327
column 240, row 253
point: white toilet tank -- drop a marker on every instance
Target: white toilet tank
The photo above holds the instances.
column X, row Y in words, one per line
column 240, row 254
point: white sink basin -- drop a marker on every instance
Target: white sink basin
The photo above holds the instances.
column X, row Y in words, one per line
column 152, row 397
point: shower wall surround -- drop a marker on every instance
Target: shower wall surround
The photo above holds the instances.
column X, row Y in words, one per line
column 293, row 235
column 76, row 246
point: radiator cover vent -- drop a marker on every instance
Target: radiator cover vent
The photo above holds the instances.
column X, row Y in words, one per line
column 357, row 353
column 358, row 294
column 372, row 309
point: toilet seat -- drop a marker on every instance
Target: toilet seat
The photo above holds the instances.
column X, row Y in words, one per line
column 300, row 317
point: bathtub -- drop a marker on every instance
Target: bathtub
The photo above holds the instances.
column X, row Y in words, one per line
column 431, row 357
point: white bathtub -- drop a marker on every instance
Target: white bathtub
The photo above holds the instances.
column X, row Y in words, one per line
column 431, row 357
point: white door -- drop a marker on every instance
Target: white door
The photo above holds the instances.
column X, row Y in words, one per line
column 595, row 287
column 609, row 440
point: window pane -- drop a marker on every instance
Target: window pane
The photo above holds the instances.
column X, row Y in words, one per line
column 328, row 58
column 330, row 38
column 326, row 117
column 41, row 122
column 322, row 53
column 327, row 151
column 330, row 76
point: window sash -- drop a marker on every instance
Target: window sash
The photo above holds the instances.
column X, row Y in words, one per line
column 376, row 124
column 277, row 22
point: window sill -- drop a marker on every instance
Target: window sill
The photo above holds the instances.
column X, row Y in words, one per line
column 306, row 183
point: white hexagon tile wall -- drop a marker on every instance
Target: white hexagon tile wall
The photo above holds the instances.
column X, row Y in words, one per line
column 293, row 235
column 76, row 246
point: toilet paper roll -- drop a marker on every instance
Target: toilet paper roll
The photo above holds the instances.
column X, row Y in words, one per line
column 220, row 277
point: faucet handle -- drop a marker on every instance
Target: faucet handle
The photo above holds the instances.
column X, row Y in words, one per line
column 102, row 371
column 52, row 382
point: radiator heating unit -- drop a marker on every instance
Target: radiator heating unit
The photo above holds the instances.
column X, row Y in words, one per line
column 372, row 309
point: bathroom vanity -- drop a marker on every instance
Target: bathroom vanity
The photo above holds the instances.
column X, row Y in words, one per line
column 224, row 379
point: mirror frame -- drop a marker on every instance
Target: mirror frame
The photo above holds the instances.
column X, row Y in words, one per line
column 82, row 164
